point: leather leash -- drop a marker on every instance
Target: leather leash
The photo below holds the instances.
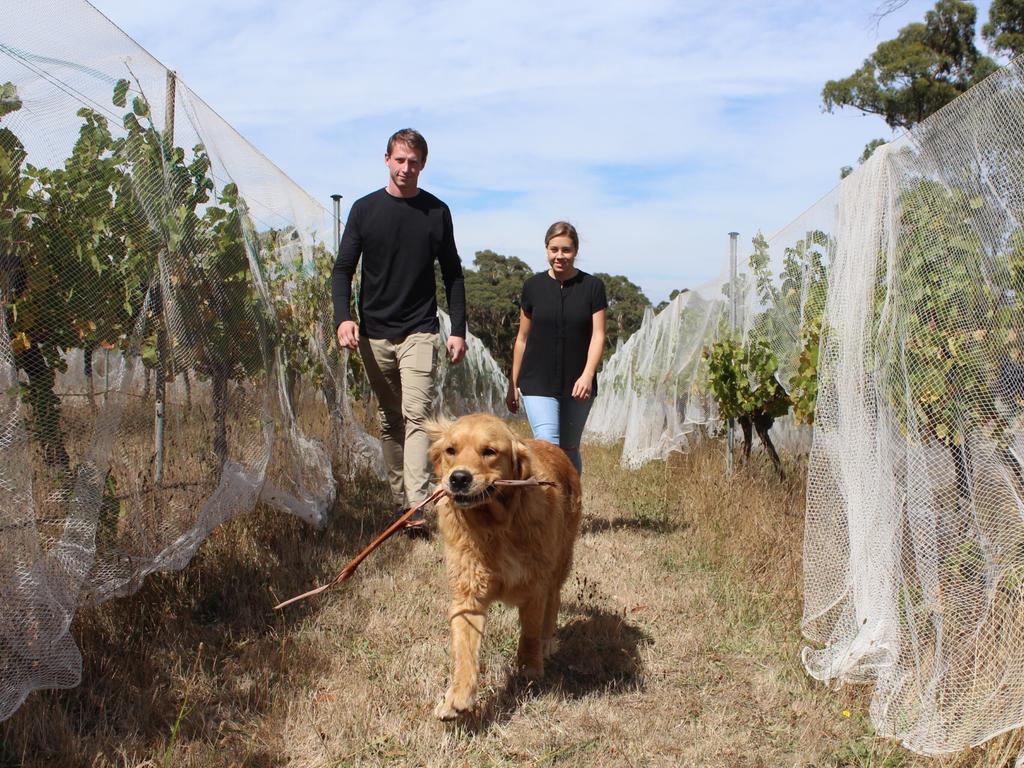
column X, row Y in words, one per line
column 388, row 532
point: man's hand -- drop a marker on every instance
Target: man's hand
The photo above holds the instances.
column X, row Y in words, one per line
column 456, row 348
column 348, row 334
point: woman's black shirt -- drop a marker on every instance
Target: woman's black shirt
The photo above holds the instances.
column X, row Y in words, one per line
column 561, row 324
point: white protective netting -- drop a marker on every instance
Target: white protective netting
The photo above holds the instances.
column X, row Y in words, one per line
column 914, row 547
column 475, row 384
column 165, row 341
column 653, row 392
column 912, row 270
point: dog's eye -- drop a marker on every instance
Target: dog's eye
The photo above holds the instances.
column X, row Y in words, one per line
column 450, row 450
column 489, row 452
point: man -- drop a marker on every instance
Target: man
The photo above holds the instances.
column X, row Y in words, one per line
column 400, row 231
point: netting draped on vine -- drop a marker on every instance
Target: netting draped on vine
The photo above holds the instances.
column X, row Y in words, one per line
column 166, row 362
column 891, row 313
column 166, row 355
column 914, row 547
column 655, row 391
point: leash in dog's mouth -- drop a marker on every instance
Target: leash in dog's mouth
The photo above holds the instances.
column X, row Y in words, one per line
column 396, row 526
column 471, row 499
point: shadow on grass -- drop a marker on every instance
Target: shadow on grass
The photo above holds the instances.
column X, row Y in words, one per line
column 651, row 523
column 148, row 659
column 598, row 651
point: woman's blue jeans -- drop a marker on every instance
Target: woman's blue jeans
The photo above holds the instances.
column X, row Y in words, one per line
column 559, row 420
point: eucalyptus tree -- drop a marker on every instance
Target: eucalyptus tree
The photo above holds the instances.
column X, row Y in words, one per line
column 493, row 291
column 926, row 66
column 626, row 305
column 1004, row 31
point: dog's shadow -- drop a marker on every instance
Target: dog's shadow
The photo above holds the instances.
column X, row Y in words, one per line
column 597, row 650
column 642, row 523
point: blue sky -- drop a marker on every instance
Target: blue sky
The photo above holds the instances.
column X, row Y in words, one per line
column 656, row 126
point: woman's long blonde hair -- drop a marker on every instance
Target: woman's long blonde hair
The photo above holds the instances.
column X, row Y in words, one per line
column 560, row 228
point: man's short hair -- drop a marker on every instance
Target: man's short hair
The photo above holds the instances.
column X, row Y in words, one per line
column 411, row 137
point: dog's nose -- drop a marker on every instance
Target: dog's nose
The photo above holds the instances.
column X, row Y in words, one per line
column 460, row 479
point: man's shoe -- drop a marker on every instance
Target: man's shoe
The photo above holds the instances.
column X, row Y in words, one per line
column 416, row 525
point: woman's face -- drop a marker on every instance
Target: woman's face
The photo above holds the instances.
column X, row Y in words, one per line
column 561, row 256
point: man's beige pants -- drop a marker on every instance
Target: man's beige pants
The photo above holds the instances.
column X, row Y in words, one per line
column 402, row 375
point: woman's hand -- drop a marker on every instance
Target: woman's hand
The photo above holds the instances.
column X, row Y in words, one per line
column 512, row 398
column 583, row 387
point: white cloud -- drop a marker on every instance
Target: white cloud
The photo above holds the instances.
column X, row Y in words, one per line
column 715, row 105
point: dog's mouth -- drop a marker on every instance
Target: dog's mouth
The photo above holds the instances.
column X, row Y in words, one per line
column 465, row 500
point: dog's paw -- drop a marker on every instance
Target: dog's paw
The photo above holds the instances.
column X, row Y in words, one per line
column 549, row 647
column 454, row 703
column 530, row 658
column 529, row 670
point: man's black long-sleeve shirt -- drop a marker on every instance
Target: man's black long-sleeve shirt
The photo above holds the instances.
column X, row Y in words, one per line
column 399, row 238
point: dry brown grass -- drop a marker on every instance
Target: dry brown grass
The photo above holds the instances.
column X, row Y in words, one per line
column 679, row 647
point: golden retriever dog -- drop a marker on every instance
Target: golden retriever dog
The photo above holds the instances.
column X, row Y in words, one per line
column 507, row 543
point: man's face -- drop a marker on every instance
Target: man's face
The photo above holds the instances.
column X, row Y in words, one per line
column 404, row 166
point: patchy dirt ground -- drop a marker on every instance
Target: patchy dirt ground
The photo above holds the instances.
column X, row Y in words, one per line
column 679, row 647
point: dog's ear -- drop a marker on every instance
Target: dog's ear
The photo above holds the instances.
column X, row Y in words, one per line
column 436, row 429
column 522, row 466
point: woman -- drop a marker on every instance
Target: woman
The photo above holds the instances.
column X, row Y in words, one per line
column 559, row 345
